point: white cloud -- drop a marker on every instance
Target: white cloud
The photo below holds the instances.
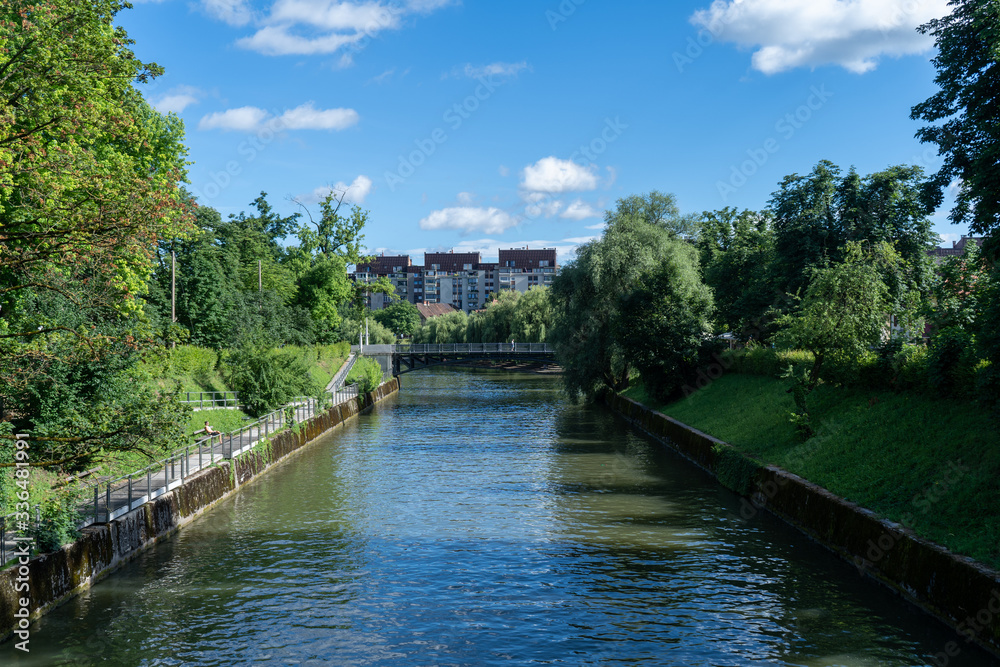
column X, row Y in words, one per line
column 177, row 99
column 334, row 16
column 504, row 171
column 496, row 70
column 358, row 190
column 580, row 210
column 304, row 117
column 580, row 240
column 233, row 12
column 808, row 33
column 599, row 225
column 278, row 41
column 551, row 174
column 243, row 119
column 383, row 77
column 466, row 198
column 467, row 219
column 355, row 193
column 543, row 207
column 306, row 27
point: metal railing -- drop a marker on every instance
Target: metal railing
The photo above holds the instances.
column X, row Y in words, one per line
column 111, row 498
column 338, row 380
column 225, row 399
column 454, row 348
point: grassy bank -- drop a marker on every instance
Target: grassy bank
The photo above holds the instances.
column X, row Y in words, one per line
column 931, row 464
column 196, row 369
column 204, row 369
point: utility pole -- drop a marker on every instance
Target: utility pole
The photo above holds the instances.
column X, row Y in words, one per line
column 173, row 292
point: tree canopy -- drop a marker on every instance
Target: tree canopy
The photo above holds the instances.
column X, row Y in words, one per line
column 632, row 300
column 963, row 112
column 89, row 177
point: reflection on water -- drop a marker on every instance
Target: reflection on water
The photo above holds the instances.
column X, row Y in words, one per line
column 477, row 518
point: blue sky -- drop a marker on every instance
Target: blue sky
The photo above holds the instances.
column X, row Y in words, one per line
column 482, row 125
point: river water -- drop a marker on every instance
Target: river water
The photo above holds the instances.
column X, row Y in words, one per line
column 478, row 518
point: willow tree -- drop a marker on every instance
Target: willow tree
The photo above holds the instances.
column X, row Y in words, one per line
column 88, row 185
column 632, row 301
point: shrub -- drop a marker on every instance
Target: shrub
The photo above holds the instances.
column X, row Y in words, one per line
column 757, row 360
column 366, row 373
column 951, row 368
column 266, row 378
column 59, row 523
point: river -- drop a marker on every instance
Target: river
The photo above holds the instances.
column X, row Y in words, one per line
column 479, row 518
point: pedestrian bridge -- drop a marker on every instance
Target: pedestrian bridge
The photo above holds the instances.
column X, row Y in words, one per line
column 405, row 358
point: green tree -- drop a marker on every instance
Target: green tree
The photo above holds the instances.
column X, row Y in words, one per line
column 815, row 217
column 845, row 312
column 602, row 296
column 267, row 378
column 322, row 290
column 89, row 177
column 447, row 328
column 737, row 250
column 401, row 317
column 963, row 111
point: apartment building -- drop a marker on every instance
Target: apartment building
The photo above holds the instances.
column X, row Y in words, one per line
column 461, row 280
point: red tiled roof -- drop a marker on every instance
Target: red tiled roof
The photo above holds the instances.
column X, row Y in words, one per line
column 429, row 310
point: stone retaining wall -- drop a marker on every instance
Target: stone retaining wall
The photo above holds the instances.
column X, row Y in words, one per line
column 50, row 579
column 957, row 590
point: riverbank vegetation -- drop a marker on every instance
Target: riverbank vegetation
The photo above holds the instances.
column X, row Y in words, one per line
column 861, row 363
column 928, row 462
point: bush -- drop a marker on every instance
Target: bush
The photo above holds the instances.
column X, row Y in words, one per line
column 191, row 360
column 266, row 378
column 366, row 373
column 757, row 360
column 951, row 367
column 59, row 524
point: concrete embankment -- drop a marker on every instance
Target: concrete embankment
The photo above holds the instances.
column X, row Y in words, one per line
column 959, row 591
column 30, row 590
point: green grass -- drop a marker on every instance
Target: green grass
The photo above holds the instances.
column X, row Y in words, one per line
column 196, row 369
column 220, row 419
column 930, row 463
column 202, row 369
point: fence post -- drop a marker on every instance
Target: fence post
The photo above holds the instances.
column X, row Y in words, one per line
column 96, row 488
column 130, row 492
column 107, row 501
column 149, row 484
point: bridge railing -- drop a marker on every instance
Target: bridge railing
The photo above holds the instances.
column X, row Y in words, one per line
column 454, row 348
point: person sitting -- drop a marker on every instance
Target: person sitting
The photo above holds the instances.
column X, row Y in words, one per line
column 211, row 432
